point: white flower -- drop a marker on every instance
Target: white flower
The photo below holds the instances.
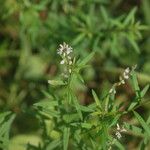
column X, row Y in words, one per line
column 70, row 62
column 127, row 70
column 62, row 62
column 123, row 130
column 70, row 70
column 126, row 76
column 64, row 49
column 112, row 90
column 119, row 130
column 126, row 73
column 122, row 81
column 118, row 134
column 118, row 127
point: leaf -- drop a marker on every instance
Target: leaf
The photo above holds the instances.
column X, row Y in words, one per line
column 68, row 118
column 148, row 120
column 106, row 103
column 22, row 141
column 56, row 82
column 143, row 123
column 114, row 121
column 86, row 108
column 134, row 129
column 66, row 138
column 130, row 16
column 119, row 145
column 46, row 104
column 135, row 82
column 76, row 104
column 46, row 94
column 96, row 99
column 145, row 89
column 93, row 143
column 49, row 113
column 53, row 145
column 86, row 60
column 104, row 14
column 133, row 43
column 79, row 38
column 3, row 115
column 47, row 108
column 132, row 105
column 6, row 120
column 80, row 77
column 86, row 125
column 104, row 136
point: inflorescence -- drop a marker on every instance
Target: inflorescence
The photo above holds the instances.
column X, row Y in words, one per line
column 119, row 131
column 65, row 52
column 122, row 79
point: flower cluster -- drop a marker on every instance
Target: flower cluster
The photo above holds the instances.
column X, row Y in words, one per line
column 118, row 134
column 119, row 131
column 65, row 52
column 122, row 79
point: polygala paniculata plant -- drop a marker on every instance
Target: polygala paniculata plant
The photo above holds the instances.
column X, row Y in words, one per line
column 98, row 126
column 68, row 125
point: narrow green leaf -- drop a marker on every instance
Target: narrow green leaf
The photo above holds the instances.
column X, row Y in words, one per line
column 80, row 77
column 79, row 38
column 56, row 82
column 96, row 99
column 86, row 108
column 93, row 143
column 130, row 16
column 86, row 59
column 134, row 129
column 66, row 138
column 145, row 89
column 104, row 14
column 106, row 103
column 47, row 95
column 132, row 105
column 133, row 43
column 5, row 125
column 143, row 123
column 86, row 125
column 46, row 104
column 76, row 104
column 114, row 121
column 71, row 117
column 104, row 136
column 53, row 145
column 135, row 82
column 148, row 120
column 119, row 145
column 3, row 115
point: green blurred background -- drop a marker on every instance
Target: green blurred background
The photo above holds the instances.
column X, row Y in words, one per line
column 31, row 31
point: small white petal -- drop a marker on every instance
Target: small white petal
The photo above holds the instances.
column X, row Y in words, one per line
column 118, row 134
column 69, row 57
column 126, row 76
column 62, row 62
column 111, row 90
column 122, row 82
column 123, row 130
column 70, row 70
column 127, row 70
column 118, row 127
column 70, row 62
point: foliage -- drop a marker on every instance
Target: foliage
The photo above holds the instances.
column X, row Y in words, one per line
column 69, row 125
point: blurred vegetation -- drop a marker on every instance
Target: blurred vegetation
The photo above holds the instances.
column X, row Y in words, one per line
column 30, row 32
